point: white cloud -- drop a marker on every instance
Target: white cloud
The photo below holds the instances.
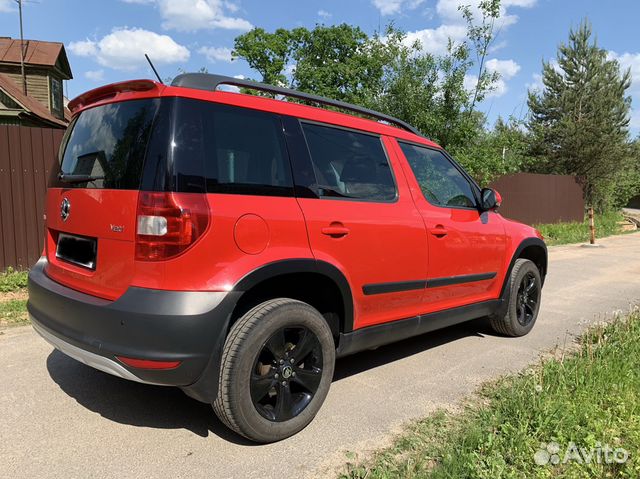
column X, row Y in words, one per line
column 216, row 54
column 7, row 6
column 506, row 68
column 94, row 75
column 192, row 15
column 83, row 48
column 324, row 14
column 449, row 10
column 124, row 49
column 536, row 83
column 435, row 40
column 391, row 7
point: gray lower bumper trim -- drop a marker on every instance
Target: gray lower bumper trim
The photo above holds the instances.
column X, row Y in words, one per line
column 90, row 359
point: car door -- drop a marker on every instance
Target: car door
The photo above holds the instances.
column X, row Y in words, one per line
column 466, row 245
column 361, row 218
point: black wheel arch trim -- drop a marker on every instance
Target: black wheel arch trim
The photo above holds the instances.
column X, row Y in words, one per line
column 302, row 265
column 516, row 255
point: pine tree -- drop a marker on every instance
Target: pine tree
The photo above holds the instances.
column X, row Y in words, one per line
column 580, row 119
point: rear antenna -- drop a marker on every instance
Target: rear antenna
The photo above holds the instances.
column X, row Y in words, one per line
column 153, row 68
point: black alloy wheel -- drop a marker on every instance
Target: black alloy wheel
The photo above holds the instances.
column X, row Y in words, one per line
column 527, row 299
column 286, row 373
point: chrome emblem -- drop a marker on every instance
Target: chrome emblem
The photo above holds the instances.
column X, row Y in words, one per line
column 287, row 372
column 65, row 209
column 117, row 228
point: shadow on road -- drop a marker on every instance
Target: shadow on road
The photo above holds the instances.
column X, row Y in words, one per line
column 142, row 405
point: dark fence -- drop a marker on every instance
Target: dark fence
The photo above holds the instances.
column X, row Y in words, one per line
column 535, row 199
column 27, row 155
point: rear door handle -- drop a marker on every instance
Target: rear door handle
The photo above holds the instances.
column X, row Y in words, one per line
column 335, row 231
column 438, row 231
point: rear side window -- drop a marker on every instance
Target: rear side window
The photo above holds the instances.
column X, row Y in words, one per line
column 441, row 182
column 349, row 164
column 109, row 142
column 200, row 146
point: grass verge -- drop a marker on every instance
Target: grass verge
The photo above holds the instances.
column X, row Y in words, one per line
column 12, row 280
column 13, row 294
column 564, row 233
column 542, row 423
column 13, row 312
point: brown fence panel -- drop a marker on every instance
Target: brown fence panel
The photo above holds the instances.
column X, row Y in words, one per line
column 534, row 199
column 27, row 155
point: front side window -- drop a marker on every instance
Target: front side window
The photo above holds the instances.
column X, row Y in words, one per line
column 348, row 164
column 441, row 182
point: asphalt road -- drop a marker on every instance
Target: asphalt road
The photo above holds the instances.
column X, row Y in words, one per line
column 59, row 418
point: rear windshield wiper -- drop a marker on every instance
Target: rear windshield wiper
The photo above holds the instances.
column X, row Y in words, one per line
column 65, row 178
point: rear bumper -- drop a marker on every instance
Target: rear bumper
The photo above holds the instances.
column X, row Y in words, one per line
column 143, row 323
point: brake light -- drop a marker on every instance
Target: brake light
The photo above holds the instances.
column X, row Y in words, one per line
column 169, row 223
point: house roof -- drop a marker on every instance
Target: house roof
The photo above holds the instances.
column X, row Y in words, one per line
column 30, row 105
column 37, row 53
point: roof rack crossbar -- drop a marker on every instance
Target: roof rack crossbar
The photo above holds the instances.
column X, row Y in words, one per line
column 209, row 82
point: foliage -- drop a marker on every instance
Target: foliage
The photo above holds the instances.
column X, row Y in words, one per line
column 606, row 224
column 586, row 398
column 12, row 280
column 580, row 119
column 494, row 153
column 383, row 71
column 13, row 312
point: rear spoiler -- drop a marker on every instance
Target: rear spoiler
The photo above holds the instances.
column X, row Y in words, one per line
column 107, row 91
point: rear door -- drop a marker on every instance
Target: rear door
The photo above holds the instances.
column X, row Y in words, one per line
column 94, row 221
column 466, row 246
column 361, row 218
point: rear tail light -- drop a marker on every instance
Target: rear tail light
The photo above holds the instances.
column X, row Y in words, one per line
column 169, row 223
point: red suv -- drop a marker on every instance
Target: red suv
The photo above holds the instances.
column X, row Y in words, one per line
column 234, row 245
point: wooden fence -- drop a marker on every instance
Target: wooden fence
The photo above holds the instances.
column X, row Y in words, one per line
column 535, row 199
column 27, row 156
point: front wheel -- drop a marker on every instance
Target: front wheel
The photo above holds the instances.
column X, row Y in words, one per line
column 525, row 292
column 276, row 370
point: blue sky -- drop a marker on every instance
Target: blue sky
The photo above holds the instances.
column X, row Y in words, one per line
column 106, row 39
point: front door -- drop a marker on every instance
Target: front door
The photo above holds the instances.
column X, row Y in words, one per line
column 364, row 221
column 466, row 246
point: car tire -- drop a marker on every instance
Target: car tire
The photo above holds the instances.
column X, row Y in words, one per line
column 266, row 391
column 525, row 290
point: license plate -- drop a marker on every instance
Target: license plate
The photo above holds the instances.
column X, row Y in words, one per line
column 78, row 250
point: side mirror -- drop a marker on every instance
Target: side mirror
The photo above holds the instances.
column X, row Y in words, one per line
column 490, row 199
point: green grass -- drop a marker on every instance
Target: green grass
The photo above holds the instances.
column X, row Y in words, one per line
column 563, row 233
column 13, row 312
column 590, row 398
column 11, row 280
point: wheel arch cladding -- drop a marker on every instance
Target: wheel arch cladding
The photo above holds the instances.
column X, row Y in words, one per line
column 318, row 283
column 532, row 249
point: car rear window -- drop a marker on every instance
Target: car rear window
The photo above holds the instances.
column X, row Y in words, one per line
column 109, row 142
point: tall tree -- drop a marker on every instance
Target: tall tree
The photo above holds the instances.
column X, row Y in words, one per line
column 580, row 119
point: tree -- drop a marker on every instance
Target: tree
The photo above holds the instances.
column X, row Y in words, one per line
column 580, row 119
column 383, row 71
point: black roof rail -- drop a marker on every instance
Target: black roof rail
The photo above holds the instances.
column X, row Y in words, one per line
column 209, row 82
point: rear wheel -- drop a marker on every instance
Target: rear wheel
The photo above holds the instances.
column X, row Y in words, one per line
column 525, row 290
column 276, row 370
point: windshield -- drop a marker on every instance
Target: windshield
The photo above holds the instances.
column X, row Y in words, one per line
column 107, row 144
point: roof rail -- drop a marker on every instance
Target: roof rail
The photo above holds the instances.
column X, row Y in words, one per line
column 206, row 81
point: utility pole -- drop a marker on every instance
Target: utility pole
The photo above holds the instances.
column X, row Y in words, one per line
column 24, row 77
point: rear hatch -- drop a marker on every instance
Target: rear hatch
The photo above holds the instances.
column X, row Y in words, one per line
column 92, row 204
